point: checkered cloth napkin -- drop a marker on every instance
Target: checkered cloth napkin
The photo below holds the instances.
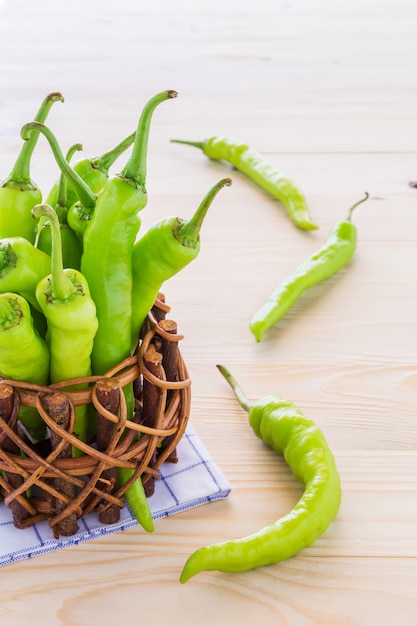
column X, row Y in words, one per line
column 193, row 481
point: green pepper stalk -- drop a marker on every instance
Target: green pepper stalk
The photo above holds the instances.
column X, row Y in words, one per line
column 329, row 259
column 108, row 245
column 65, row 300
column 22, row 266
column 24, row 355
column 94, row 172
column 71, row 246
column 166, row 248
column 19, row 193
column 282, row 426
column 262, row 172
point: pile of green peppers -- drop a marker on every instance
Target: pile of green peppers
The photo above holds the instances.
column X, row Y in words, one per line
column 76, row 278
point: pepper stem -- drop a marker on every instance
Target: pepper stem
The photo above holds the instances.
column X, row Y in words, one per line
column 236, row 388
column 353, row 207
column 62, row 188
column 105, row 162
column 135, row 169
column 83, row 191
column 62, row 286
column 21, row 169
column 188, row 232
column 196, row 144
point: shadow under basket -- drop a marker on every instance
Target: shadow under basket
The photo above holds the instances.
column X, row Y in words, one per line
column 60, row 478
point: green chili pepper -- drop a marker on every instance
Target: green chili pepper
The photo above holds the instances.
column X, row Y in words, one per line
column 22, row 266
column 264, row 173
column 87, row 197
column 79, row 217
column 107, row 265
column 137, row 500
column 282, row 426
column 71, row 246
column 24, row 355
column 19, row 193
column 166, row 248
column 94, row 172
column 65, row 300
column 108, row 244
column 329, row 259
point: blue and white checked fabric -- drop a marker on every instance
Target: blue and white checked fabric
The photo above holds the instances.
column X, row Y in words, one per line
column 193, row 481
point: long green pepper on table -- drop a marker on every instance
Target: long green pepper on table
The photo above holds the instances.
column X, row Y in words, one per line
column 77, row 282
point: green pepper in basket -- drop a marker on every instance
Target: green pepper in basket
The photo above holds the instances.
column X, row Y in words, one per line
column 137, row 500
column 22, row 266
column 19, row 193
column 87, row 197
column 24, row 355
column 71, row 245
column 94, row 172
column 107, row 264
column 165, row 249
column 108, row 244
column 65, row 300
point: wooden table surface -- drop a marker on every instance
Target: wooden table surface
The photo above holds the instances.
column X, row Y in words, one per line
column 327, row 91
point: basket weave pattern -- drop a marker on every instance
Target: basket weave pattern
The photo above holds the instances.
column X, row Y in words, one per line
column 37, row 484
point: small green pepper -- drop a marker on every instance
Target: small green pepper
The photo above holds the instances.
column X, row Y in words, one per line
column 65, row 300
column 94, row 172
column 108, row 245
column 137, row 500
column 264, row 173
column 19, row 193
column 283, row 427
column 166, row 248
column 71, row 245
column 87, row 197
column 329, row 259
column 24, row 355
column 79, row 217
column 22, row 266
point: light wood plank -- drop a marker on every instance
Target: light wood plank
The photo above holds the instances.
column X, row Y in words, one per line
column 326, row 91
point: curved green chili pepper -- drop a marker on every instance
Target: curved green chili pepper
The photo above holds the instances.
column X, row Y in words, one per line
column 19, row 193
column 24, row 355
column 257, row 167
column 87, row 197
column 71, row 246
column 108, row 244
column 165, row 249
column 65, row 300
column 329, row 259
column 22, row 266
column 94, row 172
column 283, row 427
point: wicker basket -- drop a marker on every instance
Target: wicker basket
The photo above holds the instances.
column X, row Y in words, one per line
column 45, row 481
